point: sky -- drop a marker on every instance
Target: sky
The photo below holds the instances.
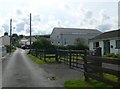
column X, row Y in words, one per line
column 47, row 14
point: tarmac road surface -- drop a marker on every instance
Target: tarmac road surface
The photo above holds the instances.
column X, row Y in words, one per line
column 19, row 71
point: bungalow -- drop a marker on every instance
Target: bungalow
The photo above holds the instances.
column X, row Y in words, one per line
column 25, row 43
column 33, row 39
column 67, row 36
column 108, row 41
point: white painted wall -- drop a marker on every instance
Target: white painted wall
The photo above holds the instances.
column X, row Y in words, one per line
column 91, row 46
column 112, row 50
column 0, row 47
column 60, row 36
column 0, row 63
column 5, row 40
column 102, row 46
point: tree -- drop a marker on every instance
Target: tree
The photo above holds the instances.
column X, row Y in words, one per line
column 15, row 39
column 6, row 34
column 80, row 43
column 42, row 43
column 20, row 36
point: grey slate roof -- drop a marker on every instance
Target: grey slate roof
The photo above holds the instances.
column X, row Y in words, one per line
column 59, row 30
column 106, row 35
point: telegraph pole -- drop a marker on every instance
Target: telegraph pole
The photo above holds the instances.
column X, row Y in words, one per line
column 10, row 35
column 30, row 32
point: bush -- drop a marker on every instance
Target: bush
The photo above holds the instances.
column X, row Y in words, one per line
column 42, row 43
column 8, row 49
column 71, row 47
column 112, row 55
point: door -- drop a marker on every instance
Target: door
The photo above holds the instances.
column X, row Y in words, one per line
column 106, row 46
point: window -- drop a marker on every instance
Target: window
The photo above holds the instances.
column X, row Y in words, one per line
column 117, row 44
column 95, row 45
column 65, row 41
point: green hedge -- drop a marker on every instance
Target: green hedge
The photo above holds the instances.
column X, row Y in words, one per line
column 112, row 55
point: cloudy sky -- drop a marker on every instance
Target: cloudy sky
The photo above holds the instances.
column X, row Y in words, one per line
column 47, row 14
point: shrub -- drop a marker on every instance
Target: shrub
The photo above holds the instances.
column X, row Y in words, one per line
column 112, row 55
column 42, row 43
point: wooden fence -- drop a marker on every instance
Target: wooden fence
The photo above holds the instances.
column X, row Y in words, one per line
column 97, row 67
column 45, row 55
column 73, row 58
column 94, row 67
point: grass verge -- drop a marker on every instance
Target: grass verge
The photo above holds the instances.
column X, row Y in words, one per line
column 35, row 59
column 81, row 84
column 13, row 50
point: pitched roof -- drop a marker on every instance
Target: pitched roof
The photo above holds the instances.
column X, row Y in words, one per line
column 58, row 30
column 106, row 35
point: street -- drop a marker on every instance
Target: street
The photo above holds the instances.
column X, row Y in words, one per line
column 20, row 71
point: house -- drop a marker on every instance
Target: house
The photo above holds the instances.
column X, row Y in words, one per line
column 33, row 39
column 0, row 47
column 3, row 50
column 25, row 43
column 5, row 40
column 108, row 41
column 67, row 36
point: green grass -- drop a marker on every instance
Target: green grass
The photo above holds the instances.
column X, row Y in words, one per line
column 13, row 50
column 111, row 77
column 35, row 59
column 50, row 60
column 81, row 84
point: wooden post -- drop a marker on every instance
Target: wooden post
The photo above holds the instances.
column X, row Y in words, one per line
column 30, row 31
column 10, row 35
column 56, row 56
column 36, row 52
column 44, row 53
column 99, row 54
column 70, row 59
column 118, row 81
column 85, row 63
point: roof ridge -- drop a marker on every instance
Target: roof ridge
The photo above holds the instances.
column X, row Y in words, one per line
column 74, row 28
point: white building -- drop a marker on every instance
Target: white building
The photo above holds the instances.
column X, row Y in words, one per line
column 67, row 36
column 33, row 39
column 0, row 47
column 4, row 41
column 108, row 41
column 23, row 41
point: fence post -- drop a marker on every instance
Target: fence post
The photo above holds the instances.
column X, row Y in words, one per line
column 85, row 63
column 118, row 81
column 70, row 59
column 56, row 55
column 36, row 52
column 44, row 53
column 99, row 54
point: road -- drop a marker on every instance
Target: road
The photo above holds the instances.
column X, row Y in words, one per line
column 0, row 73
column 20, row 71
